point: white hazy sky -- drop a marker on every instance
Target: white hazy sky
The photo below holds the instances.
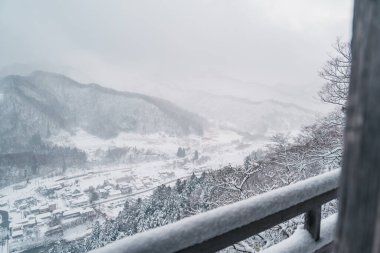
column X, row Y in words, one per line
column 126, row 44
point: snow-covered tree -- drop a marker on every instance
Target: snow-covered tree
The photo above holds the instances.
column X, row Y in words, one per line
column 336, row 73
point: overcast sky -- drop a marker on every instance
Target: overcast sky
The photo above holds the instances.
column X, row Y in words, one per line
column 124, row 44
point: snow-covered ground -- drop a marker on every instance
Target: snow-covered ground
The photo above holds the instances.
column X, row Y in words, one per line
column 116, row 181
column 224, row 146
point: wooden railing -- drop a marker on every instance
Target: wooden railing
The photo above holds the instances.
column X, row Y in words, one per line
column 224, row 226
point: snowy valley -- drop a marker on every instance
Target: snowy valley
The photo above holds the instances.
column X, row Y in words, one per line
column 77, row 153
column 177, row 126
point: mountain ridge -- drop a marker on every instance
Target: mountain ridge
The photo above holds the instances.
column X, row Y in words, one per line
column 44, row 103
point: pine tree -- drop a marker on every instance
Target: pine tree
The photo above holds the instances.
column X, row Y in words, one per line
column 181, row 152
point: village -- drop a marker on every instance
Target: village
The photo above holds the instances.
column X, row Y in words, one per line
column 47, row 209
column 64, row 206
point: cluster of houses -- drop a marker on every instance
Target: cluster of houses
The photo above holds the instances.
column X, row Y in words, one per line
column 45, row 218
column 113, row 189
column 66, row 205
column 50, row 220
column 128, row 183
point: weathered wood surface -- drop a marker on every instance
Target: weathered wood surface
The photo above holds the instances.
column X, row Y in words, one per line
column 326, row 249
column 313, row 222
column 359, row 214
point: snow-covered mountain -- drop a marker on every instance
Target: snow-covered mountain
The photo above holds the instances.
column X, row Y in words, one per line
column 258, row 115
column 45, row 104
column 241, row 105
column 264, row 117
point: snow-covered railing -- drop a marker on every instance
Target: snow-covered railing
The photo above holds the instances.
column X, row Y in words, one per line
column 301, row 241
column 221, row 227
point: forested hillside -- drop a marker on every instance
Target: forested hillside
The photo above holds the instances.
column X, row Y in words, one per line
column 39, row 159
column 45, row 104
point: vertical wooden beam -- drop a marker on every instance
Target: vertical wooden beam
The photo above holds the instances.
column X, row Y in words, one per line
column 359, row 214
column 313, row 222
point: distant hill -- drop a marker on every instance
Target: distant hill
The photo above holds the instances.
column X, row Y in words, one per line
column 45, row 103
column 264, row 117
column 240, row 105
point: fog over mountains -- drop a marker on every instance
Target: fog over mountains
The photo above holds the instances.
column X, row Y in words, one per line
column 263, row 117
column 45, row 103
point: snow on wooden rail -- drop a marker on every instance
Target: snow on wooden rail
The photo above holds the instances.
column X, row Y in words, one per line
column 301, row 241
column 224, row 226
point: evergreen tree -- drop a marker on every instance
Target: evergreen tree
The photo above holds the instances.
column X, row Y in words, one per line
column 34, row 165
column 181, row 152
column 196, row 155
column 36, row 141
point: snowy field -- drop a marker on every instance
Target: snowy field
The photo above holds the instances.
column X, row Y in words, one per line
column 223, row 145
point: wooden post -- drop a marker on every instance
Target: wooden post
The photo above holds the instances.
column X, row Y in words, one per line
column 313, row 222
column 359, row 213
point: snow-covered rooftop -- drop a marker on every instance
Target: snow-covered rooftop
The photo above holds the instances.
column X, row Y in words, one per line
column 72, row 211
column 43, row 216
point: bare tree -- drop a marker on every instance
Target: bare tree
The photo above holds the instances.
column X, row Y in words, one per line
column 336, row 73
